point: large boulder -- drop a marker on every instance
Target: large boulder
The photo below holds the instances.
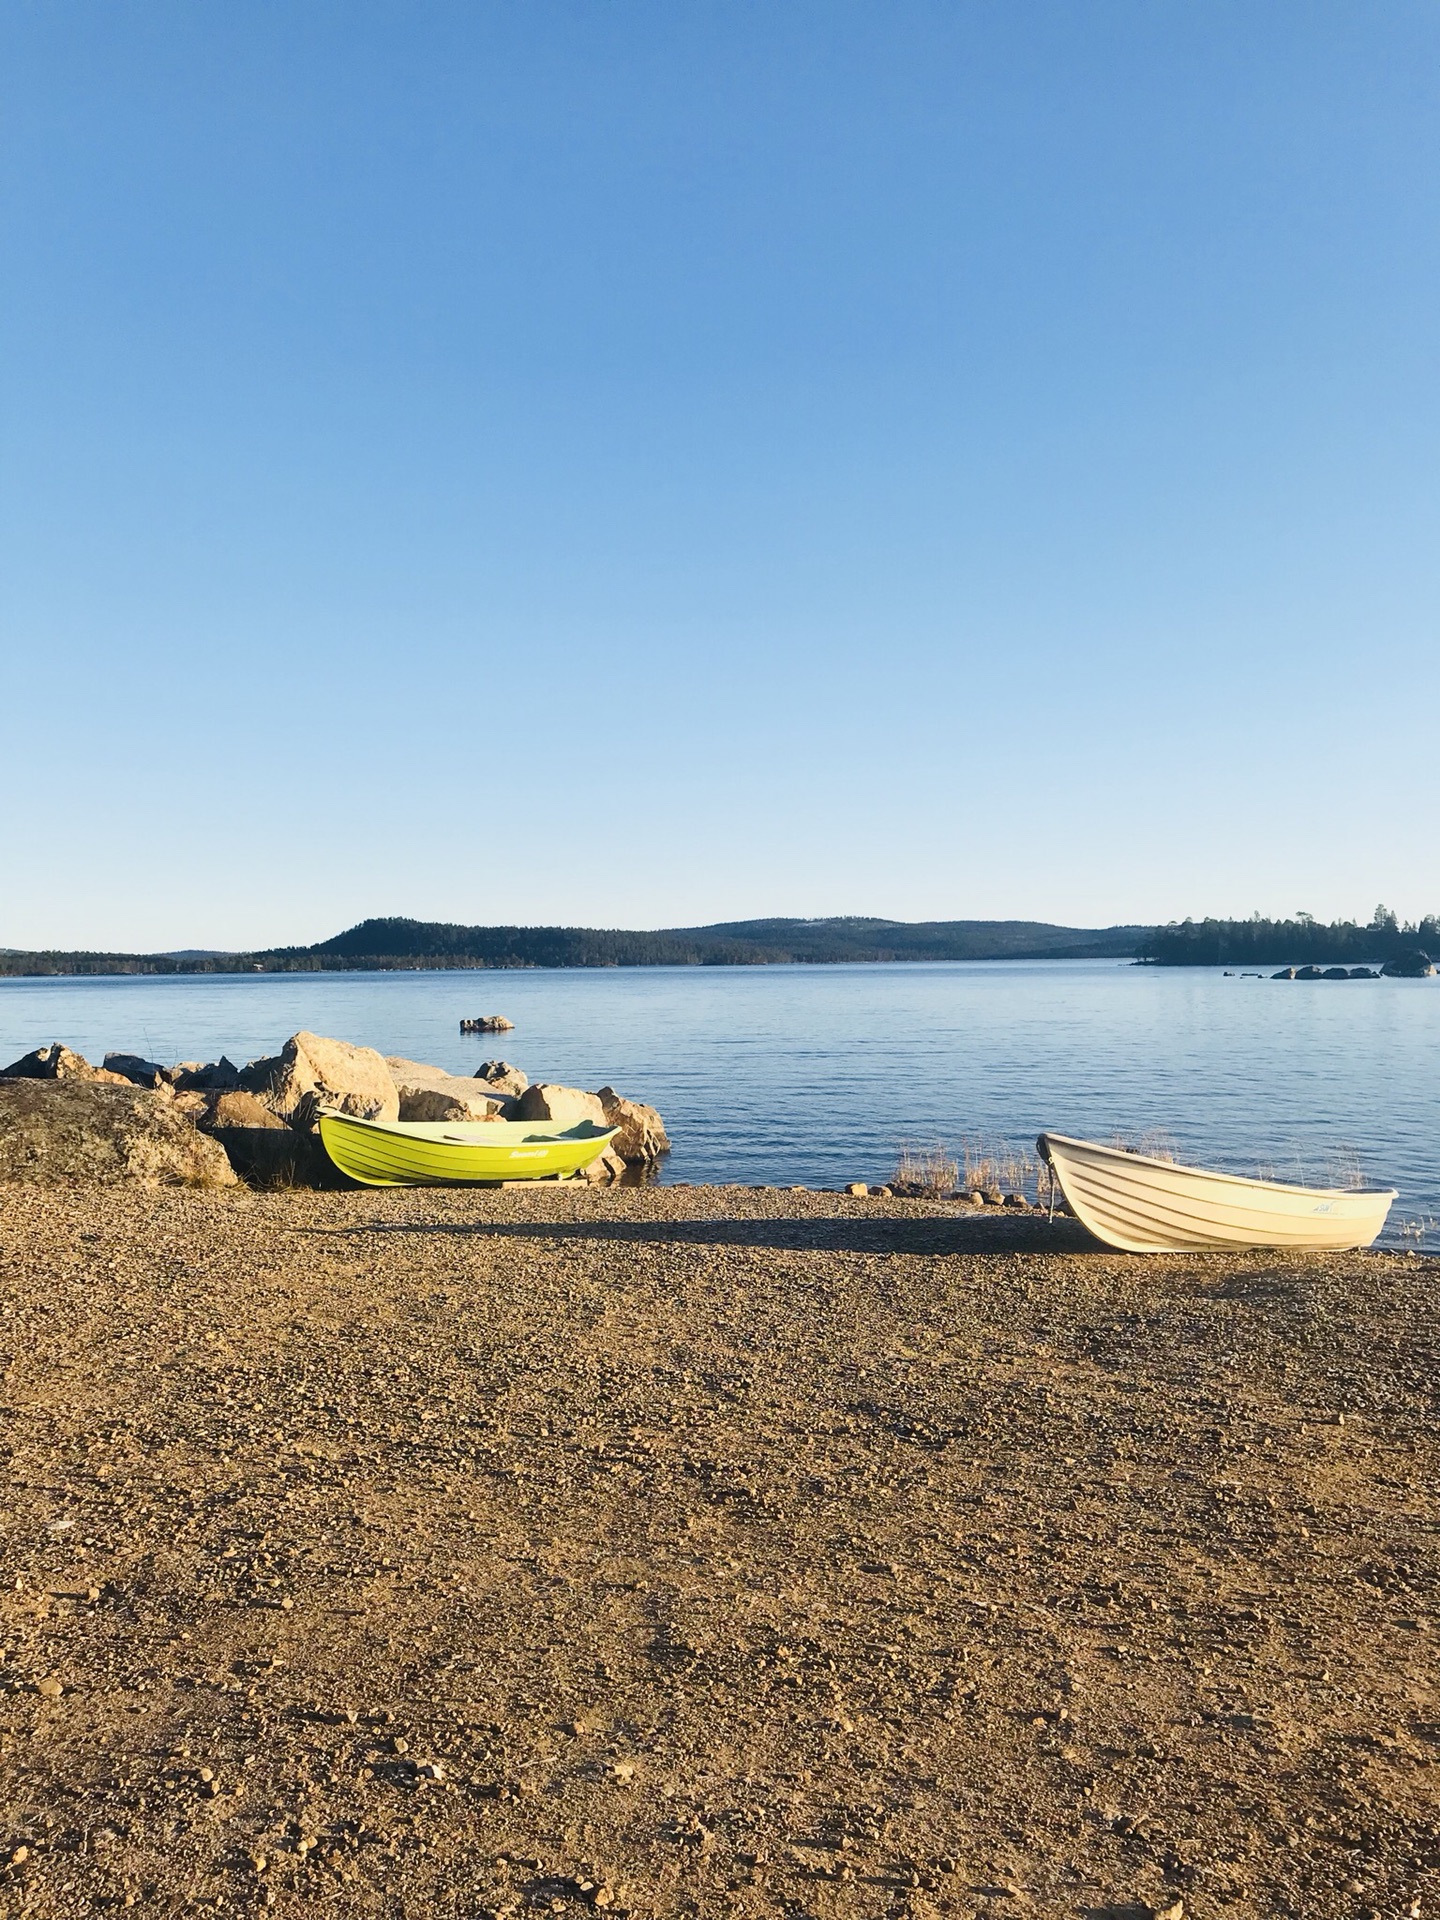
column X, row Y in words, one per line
column 562, row 1106
column 642, row 1136
column 60, row 1063
column 311, row 1071
column 430, row 1093
column 66, row 1129
column 502, row 1076
column 1412, row 964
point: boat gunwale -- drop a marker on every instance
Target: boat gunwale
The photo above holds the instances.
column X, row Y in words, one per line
column 1123, row 1157
column 410, row 1130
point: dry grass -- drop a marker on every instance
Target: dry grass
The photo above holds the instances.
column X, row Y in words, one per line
column 925, row 1173
column 995, row 1166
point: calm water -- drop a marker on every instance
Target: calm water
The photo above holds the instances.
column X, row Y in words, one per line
column 819, row 1074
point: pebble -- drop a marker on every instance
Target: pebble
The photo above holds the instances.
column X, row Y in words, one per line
column 50, row 1688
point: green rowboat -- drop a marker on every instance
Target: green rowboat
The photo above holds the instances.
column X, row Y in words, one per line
column 451, row 1153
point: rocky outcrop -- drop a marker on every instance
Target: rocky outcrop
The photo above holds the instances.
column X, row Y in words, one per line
column 1413, row 964
column 642, row 1136
column 502, row 1076
column 60, row 1063
column 488, row 1023
column 430, row 1093
column 311, row 1071
column 68, row 1129
column 563, row 1106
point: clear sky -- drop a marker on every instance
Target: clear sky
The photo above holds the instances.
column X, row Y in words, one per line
column 638, row 464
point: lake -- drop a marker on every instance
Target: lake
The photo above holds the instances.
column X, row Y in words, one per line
column 819, row 1075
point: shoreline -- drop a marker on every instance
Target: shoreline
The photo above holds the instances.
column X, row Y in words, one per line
column 709, row 1550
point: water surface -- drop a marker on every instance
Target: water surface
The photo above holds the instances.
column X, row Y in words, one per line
column 818, row 1075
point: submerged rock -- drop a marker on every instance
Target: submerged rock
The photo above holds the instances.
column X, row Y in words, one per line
column 69, row 1130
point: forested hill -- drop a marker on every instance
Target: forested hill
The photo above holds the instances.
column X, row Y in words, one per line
column 390, row 944
column 1302, row 941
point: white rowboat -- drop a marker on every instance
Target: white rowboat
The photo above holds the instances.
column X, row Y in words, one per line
column 1153, row 1206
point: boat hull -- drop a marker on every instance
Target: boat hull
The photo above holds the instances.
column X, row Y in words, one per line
column 1140, row 1205
column 399, row 1153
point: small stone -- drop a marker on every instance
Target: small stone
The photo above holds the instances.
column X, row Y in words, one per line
column 431, row 1770
column 399, row 1744
column 92, row 1593
column 622, row 1770
column 287, row 1604
column 50, row 1688
column 858, row 1190
column 206, row 1774
column 19, row 1856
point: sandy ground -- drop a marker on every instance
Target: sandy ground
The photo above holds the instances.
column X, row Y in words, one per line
column 701, row 1551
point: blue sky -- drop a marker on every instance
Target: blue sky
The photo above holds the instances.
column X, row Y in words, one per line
column 641, row 464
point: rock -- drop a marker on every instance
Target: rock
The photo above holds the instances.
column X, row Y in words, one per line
column 1285, row 973
column 61, row 1063
column 311, row 1071
column 277, row 1156
column 141, row 1072
column 233, row 1108
column 565, row 1106
column 1309, row 973
column 488, row 1023
column 1363, row 973
column 858, row 1190
column 1412, row 964
column 1336, row 973
column 502, row 1076
column 1017, row 1200
column 50, row 1688
column 74, row 1130
column 642, row 1136
column 606, row 1168
column 430, row 1093
column 214, row 1076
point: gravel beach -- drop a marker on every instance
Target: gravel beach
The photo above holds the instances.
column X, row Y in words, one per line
column 707, row 1551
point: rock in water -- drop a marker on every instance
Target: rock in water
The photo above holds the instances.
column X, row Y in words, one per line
column 1413, row 964
column 430, row 1093
column 311, row 1071
column 60, row 1063
column 73, row 1130
column 642, row 1136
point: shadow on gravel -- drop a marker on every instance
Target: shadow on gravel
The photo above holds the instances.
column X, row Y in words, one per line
column 933, row 1234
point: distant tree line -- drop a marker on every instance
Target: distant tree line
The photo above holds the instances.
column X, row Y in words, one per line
column 1303, row 941
column 387, row 945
